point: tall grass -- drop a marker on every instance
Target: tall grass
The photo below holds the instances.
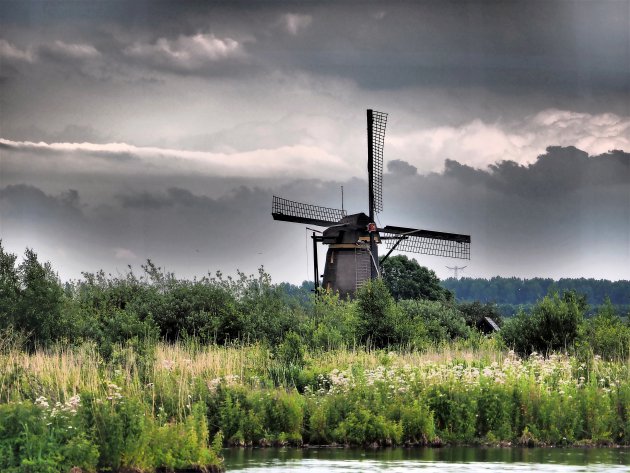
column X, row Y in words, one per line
column 59, row 373
column 459, row 392
column 65, row 407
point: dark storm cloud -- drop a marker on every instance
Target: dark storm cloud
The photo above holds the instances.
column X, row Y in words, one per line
column 562, row 48
column 52, row 223
column 112, row 66
column 401, row 168
column 559, row 46
column 144, row 200
column 25, row 202
column 566, row 211
column 553, row 174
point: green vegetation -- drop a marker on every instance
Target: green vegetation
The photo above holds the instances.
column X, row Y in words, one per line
column 107, row 433
column 140, row 372
column 141, row 412
column 552, row 325
column 511, row 294
column 406, row 279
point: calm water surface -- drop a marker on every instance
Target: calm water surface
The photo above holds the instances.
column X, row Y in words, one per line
column 444, row 460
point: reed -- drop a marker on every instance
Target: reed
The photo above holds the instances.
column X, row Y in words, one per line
column 461, row 392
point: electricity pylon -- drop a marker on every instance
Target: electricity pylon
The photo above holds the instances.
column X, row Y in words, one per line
column 455, row 269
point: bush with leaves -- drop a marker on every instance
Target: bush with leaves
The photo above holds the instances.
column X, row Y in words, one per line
column 267, row 315
column 439, row 321
column 31, row 440
column 553, row 324
column 334, row 322
column 607, row 334
column 198, row 309
column 381, row 323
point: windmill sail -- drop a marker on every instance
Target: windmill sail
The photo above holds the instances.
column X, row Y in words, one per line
column 427, row 242
column 291, row 211
column 376, row 135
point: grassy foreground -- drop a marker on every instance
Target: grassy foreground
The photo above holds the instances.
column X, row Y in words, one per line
column 173, row 406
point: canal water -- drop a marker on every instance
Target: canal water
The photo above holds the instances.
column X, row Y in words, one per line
column 428, row 460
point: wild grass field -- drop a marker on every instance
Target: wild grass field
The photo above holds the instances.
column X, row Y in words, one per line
column 139, row 373
column 175, row 405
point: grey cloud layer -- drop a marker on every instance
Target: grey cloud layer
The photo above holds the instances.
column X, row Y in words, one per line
column 157, row 74
column 176, row 121
column 550, row 46
column 568, row 214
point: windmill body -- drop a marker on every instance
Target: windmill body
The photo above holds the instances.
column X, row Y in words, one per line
column 348, row 259
column 352, row 240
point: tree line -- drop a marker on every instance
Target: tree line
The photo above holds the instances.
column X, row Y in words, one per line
column 406, row 308
column 516, row 291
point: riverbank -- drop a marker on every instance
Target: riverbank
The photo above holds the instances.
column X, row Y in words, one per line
column 175, row 405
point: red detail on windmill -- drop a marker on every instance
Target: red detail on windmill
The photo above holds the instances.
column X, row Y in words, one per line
column 371, row 228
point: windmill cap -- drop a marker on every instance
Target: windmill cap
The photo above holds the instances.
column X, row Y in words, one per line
column 360, row 220
column 348, row 230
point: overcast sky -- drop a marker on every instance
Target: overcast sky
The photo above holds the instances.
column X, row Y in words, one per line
column 134, row 130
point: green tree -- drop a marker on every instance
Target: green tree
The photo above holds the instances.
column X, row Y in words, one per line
column 9, row 288
column 39, row 307
column 406, row 279
column 379, row 317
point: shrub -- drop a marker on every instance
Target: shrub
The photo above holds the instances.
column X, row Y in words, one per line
column 265, row 417
column 130, row 438
column 184, row 445
column 197, row 308
column 455, row 412
column 363, row 427
column 553, row 324
column 266, row 314
column 437, row 321
column 384, row 323
column 9, row 288
column 334, row 323
column 233, row 417
column 282, row 414
column 32, row 440
column 417, row 423
column 291, row 350
column 494, row 404
column 607, row 335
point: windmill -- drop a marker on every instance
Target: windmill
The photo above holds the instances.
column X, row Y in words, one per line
column 352, row 240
